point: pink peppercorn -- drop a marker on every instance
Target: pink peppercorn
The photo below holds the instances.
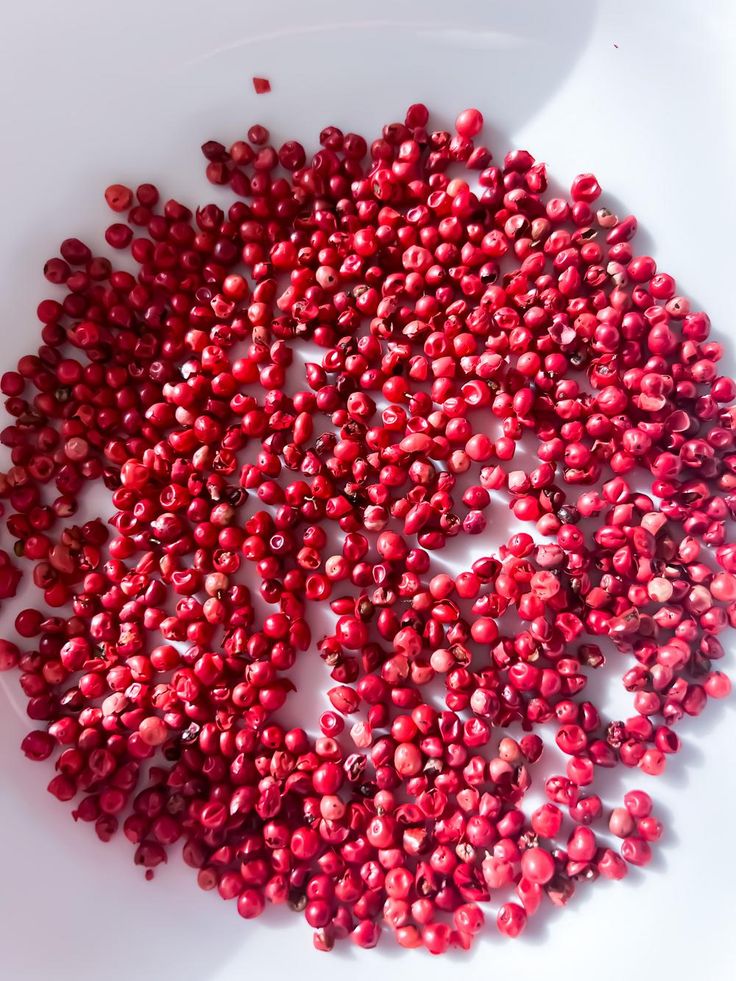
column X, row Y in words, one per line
column 453, row 310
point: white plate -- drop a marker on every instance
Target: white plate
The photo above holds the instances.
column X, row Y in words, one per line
column 640, row 93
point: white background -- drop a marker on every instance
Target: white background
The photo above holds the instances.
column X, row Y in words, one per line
column 639, row 91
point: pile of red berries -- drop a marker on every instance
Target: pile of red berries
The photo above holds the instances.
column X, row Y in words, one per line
column 473, row 347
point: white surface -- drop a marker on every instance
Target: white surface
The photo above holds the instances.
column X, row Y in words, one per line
column 638, row 91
